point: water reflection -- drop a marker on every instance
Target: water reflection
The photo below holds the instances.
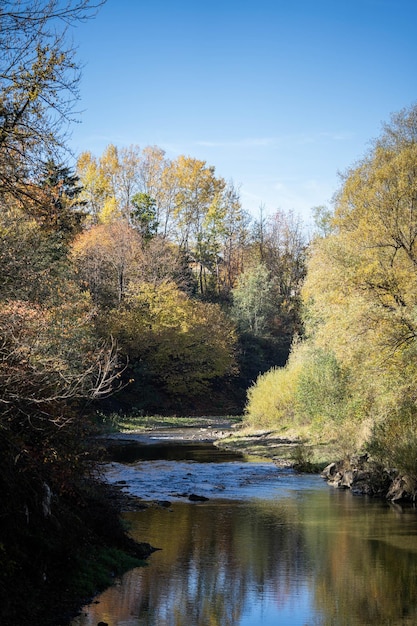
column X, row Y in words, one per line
column 314, row 557
column 135, row 449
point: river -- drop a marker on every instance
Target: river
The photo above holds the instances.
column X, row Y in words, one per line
column 268, row 547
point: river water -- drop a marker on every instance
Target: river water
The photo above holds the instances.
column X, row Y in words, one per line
column 268, row 547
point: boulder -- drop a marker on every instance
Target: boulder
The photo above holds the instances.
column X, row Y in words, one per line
column 363, row 477
column 403, row 488
column 330, row 470
column 347, row 479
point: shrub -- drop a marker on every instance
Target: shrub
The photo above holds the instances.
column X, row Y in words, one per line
column 321, row 388
column 271, row 398
column 394, row 441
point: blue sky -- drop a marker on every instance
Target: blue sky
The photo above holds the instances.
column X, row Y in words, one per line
column 279, row 96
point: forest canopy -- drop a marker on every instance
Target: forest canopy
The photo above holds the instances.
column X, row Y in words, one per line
column 174, row 229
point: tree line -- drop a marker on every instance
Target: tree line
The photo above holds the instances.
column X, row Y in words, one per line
column 353, row 376
column 195, row 292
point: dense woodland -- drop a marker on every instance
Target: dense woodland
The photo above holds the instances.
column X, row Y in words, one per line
column 196, row 295
column 136, row 283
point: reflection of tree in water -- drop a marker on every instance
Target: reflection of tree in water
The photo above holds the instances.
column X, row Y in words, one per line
column 356, row 559
column 216, row 554
column 213, row 557
column 366, row 572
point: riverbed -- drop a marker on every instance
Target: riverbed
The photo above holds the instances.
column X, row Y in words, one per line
column 260, row 545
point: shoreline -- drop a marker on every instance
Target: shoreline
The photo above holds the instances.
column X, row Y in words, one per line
column 360, row 474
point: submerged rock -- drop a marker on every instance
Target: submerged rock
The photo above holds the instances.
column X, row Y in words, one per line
column 195, row 498
column 165, row 504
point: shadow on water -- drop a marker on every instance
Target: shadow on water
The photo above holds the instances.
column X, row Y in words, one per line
column 202, row 452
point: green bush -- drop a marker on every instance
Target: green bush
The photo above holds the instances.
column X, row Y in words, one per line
column 302, row 458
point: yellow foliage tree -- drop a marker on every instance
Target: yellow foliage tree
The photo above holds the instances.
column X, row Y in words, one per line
column 184, row 343
column 361, row 286
column 359, row 357
column 108, row 257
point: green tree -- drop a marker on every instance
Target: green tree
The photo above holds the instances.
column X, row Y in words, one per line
column 62, row 211
column 144, row 215
column 322, row 219
column 253, row 301
column 321, row 393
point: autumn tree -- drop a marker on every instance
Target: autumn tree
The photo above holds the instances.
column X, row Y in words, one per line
column 221, row 245
column 95, row 186
column 284, row 254
column 360, row 302
column 156, row 182
column 180, row 200
column 162, row 262
column 175, row 344
column 33, row 260
column 370, row 260
column 38, row 85
column 120, row 167
column 108, row 257
column 266, row 296
column 234, row 239
column 52, row 363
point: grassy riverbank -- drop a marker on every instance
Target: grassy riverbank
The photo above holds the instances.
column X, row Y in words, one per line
column 294, row 449
column 122, row 423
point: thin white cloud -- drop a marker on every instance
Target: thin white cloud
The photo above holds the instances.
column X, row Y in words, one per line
column 304, row 138
column 240, row 143
column 247, row 143
column 299, row 195
column 259, row 142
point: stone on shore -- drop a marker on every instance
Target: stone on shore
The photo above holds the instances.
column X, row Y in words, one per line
column 363, row 476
